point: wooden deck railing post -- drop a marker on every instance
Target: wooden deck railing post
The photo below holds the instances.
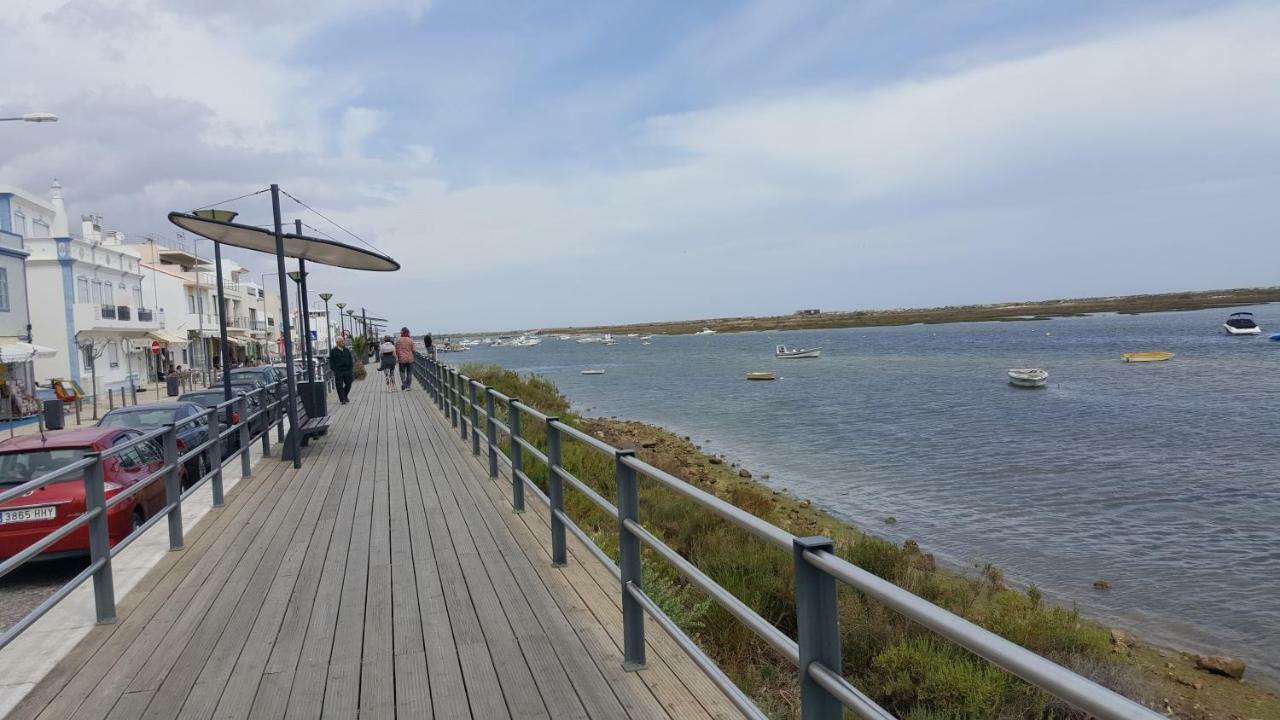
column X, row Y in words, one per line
column 633, row 653
column 817, row 629
column 475, row 418
column 104, row 593
column 213, row 455
column 555, row 493
column 246, row 468
column 517, row 456
column 463, row 381
column 491, row 432
column 173, row 487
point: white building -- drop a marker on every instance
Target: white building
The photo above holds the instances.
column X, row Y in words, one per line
column 87, row 303
column 20, row 213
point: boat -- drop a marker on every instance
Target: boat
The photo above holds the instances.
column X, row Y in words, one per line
column 1241, row 323
column 762, row 376
column 587, row 340
column 1275, row 337
column 705, row 331
column 526, row 341
column 783, row 351
column 1136, row 357
column 646, row 342
column 645, row 337
column 1028, row 377
column 593, row 371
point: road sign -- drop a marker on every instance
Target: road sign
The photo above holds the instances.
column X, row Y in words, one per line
column 155, row 347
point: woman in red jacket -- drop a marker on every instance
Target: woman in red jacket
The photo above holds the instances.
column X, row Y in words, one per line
column 404, row 357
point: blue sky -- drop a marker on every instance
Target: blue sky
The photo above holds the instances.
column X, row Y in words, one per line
column 623, row 161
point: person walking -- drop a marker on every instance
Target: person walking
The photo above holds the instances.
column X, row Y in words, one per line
column 343, row 365
column 388, row 364
column 428, row 347
column 404, row 357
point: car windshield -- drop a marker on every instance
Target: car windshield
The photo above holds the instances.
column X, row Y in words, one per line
column 17, row 468
column 138, row 418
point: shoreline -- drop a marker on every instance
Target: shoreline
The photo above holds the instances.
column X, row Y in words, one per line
column 1024, row 311
column 1166, row 679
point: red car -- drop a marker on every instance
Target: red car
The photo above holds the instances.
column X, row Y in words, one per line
column 26, row 519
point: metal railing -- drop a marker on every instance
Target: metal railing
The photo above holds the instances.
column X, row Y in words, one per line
column 226, row 421
column 824, row 691
column 145, row 315
column 107, row 312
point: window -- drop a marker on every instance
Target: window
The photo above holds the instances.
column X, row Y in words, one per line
column 113, row 354
column 130, row 459
column 97, row 292
column 124, row 293
column 19, row 222
column 137, row 297
column 4, row 290
column 86, row 359
column 82, row 290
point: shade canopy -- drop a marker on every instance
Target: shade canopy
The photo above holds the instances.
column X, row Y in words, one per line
column 23, row 352
column 305, row 247
column 165, row 336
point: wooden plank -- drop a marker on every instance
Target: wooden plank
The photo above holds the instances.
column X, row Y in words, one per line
column 412, row 682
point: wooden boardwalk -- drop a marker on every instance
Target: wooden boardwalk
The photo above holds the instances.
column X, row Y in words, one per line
column 385, row 578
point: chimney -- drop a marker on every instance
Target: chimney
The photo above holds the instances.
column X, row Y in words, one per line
column 59, row 227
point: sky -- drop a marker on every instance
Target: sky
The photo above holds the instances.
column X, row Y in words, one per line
column 574, row 163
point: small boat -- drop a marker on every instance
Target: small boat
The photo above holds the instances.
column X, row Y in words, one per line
column 646, row 337
column 1275, row 337
column 1241, row 323
column 593, row 371
column 646, row 342
column 783, row 351
column 1146, row 357
column 762, row 376
column 705, row 331
column 1028, row 377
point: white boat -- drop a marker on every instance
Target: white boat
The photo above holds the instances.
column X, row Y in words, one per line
column 705, row 331
column 587, row 340
column 633, row 334
column 646, row 342
column 783, row 351
column 526, row 341
column 1028, row 377
column 593, row 371
column 1241, row 323
column 645, row 337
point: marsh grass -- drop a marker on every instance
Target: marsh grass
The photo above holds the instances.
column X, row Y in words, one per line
column 912, row 672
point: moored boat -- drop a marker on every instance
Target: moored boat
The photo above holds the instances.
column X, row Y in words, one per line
column 593, row 371
column 1136, row 357
column 1241, row 323
column 705, row 331
column 762, row 376
column 1028, row 377
column 782, row 351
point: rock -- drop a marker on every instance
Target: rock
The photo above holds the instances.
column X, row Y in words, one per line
column 1194, row 684
column 715, row 460
column 744, row 473
column 804, row 503
column 1101, row 585
column 649, row 444
column 1221, row 665
column 1122, row 640
column 891, row 520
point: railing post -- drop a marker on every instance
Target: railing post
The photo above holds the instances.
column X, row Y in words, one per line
column 104, row 592
column 818, row 629
column 517, row 457
column 280, row 412
column 173, row 487
column 475, row 418
column 491, row 432
column 629, row 563
column 263, row 398
column 555, row 492
column 246, row 469
column 462, row 408
column 453, row 396
column 214, row 455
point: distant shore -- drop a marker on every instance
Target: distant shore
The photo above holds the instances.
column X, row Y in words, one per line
column 1007, row 312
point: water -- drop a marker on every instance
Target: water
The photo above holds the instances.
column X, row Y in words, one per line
column 1160, row 478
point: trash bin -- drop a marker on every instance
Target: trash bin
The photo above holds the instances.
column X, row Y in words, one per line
column 173, row 385
column 55, row 415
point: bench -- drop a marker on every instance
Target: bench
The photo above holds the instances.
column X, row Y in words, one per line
column 307, row 427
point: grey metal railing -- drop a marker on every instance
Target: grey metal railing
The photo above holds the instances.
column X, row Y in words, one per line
column 824, row 691
column 226, row 420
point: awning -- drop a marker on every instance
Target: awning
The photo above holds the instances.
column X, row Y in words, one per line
column 24, row 352
column 165, row 336
column 311, row 249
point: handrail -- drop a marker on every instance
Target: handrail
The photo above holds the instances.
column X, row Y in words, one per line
column 816, row 654
column 215, row 452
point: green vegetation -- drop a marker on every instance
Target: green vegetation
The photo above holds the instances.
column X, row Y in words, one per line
column 910, row 671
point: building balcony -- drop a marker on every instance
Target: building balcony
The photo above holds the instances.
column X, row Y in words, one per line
column 115, row 318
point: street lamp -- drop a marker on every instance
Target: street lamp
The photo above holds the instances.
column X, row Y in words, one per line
column 34, row 117
column 342, row 325
column 299, row 277
column 328, row 329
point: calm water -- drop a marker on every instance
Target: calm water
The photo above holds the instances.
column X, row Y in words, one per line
column 1160, row 478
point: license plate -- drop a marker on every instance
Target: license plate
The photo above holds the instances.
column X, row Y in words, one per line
column 28, row 515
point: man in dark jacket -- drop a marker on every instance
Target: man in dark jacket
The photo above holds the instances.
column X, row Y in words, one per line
column 343, row 365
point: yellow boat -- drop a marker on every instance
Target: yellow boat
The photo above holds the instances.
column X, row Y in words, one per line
column 762, row 376
column 1146, row 356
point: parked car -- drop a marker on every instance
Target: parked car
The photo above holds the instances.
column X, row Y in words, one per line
column 25, row 520
column 261, row 376
column 215, row 396
column 150, row 417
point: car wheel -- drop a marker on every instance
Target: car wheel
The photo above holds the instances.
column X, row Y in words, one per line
column 138, row 519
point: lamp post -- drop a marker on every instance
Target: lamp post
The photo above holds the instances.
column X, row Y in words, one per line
column 39, row 117
column 328, row 330
column 299, row 276
column 351, row 314
column 221, row 216
column 342, row 324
